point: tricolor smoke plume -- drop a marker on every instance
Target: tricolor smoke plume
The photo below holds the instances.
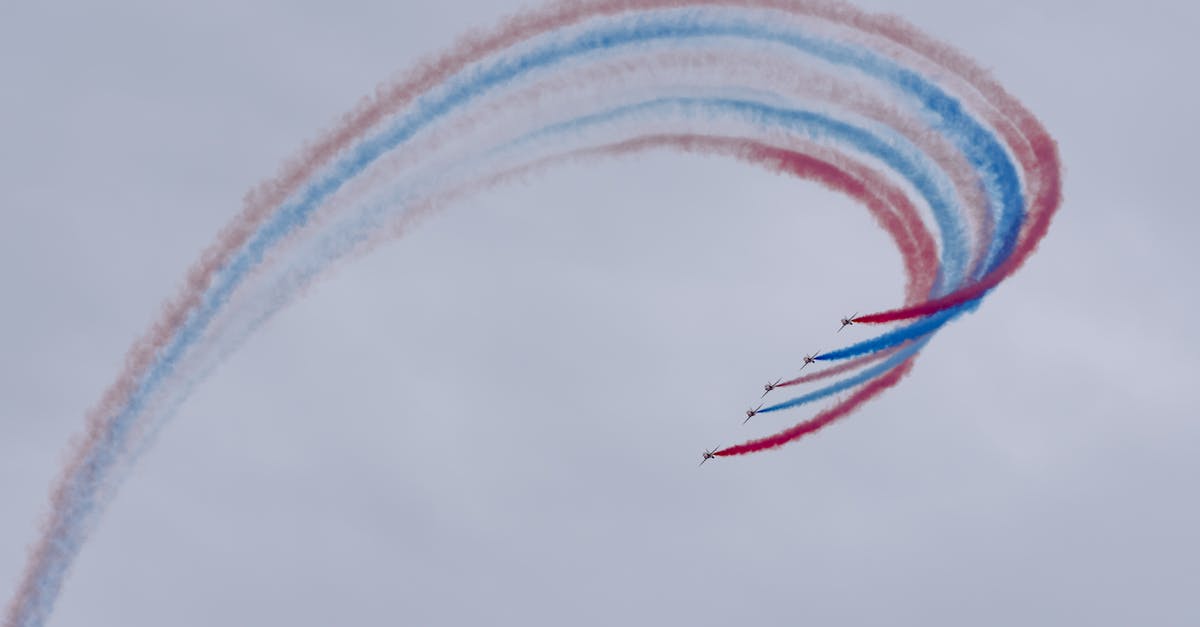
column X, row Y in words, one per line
column 962, row 178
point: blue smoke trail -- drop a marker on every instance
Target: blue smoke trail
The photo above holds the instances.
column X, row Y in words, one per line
column 898, row 336
column 849, row 382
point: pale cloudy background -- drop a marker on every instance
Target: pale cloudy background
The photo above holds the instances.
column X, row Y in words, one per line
column 498, row 419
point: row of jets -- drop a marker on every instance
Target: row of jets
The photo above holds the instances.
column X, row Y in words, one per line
column 750, row 413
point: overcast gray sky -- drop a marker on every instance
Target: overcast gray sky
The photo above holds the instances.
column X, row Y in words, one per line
column 497, row 419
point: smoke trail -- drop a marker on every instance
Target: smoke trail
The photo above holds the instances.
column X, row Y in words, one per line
column 826, row 417
column 920, row 328
column 849, row 382
column 910, row 128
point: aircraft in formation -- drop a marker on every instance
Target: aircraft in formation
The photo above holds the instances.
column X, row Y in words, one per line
column 771, row 386
column 750, row 413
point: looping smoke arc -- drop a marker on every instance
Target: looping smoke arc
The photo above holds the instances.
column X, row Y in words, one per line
column 963, row 179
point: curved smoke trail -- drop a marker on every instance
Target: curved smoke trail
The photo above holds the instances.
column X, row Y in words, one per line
column 961, row 176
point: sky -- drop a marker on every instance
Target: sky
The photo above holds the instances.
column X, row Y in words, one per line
column 497, row 419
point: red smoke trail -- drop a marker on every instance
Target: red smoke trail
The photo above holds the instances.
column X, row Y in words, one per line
column 1023, row 134
column 905, row 226
column 879, row 197
column 821, row 420
column 1042, row 211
